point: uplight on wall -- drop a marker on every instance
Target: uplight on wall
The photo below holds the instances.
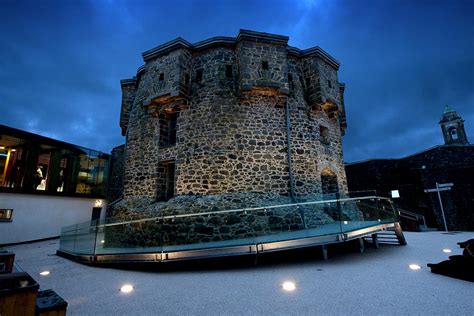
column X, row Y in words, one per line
column 447, row 250
column 44, row 273
column 98, row 203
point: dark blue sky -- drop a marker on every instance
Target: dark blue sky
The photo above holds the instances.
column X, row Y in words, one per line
column 402, row 61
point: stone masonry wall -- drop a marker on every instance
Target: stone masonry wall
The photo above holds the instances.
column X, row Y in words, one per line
column 231, row 126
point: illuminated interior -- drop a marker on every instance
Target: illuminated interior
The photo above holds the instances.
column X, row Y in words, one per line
column 32, row 163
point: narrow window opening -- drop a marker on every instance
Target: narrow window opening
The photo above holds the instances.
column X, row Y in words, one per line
column 168, row 126
column 186, row 78
column 308, row 82
column 166, row 178
column 265, row 65
column 324, row 134
column 162, row 77
column 329, row 83
column 228, row 72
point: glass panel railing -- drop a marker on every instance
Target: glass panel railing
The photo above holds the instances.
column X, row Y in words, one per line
column 68, row 238
column 85, row 238
column 136, row 236
column 208, row 230
column 322, row 218
column 251, row 226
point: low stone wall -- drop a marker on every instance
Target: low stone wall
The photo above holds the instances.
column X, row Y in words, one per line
column 168, row 226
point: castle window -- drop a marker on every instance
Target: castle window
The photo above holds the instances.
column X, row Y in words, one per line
column 290, row 82
column 324, row 134
column 199, row 76
column 168, row 123
column 162, row 77
column 454, row 133
column 228, row 72
column 186, row 78
column 329, row 83
column 308, row 82
column 166, row 180
column 265, row 65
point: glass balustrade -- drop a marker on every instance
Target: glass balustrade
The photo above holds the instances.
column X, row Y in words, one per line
column 170, row 233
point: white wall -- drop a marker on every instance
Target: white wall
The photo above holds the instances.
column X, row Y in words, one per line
column 36, row 216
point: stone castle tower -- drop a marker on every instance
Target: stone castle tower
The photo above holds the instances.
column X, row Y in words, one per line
column 452, row 127
column 232, row 115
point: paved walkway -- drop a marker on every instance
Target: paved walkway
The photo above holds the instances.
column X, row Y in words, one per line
column 377, row 282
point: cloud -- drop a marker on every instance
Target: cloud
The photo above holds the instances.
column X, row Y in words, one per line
column 402, row 61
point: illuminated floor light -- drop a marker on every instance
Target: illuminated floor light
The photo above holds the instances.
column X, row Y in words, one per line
column 288, row 286
column 102, row 241
column 345, row 222
column 126, row 288
column 446, row 250
column 414, row 266
column 44, row 273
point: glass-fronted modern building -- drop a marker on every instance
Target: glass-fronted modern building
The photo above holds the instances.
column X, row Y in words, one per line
column 31, row 163
column 46, row 184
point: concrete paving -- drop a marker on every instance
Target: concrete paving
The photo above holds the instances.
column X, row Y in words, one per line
column 377, row 282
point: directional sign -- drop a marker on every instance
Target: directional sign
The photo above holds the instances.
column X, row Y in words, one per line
column 439, row 188
column 436, row 190
column 444, row 185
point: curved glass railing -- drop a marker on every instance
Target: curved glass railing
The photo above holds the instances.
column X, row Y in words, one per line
column 227, row 228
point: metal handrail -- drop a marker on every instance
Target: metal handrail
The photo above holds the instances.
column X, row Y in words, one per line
column 237, row 210
column 407, row 214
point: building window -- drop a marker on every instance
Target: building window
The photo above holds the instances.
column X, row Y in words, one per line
column 324, row 134
column 168, row 125
column 265, row 65
column 46, row 166
column 228, row 72
column 329, row 83
column 454, row 133
column 162, row 77
column 166, row 180
column 199, row 76
column 6, row 215
column 186, row 78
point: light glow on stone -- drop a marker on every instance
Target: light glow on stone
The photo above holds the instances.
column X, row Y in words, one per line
column 345, row 222
column 288, row 286
column 102, row 241
column 126, row 288
column 44, row 273
column 447, row 250
column 414, row 266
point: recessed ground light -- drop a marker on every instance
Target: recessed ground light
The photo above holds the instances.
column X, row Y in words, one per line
column 414, row 266
column 447, row 250
column 126, row 288
column 44, row 273
column 345, row 222
column 288, row 286
column 102, row 241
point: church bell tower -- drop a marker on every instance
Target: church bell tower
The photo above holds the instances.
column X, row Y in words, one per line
column 452, row 127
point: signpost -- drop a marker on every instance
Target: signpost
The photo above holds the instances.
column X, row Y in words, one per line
column 441, row 187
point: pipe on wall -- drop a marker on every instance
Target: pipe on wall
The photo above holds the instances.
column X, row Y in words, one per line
column 288, row 143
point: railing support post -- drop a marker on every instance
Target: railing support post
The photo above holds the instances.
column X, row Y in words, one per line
column 324, row 250
column 375, row 241
column 398, row 231
column 361, row 245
